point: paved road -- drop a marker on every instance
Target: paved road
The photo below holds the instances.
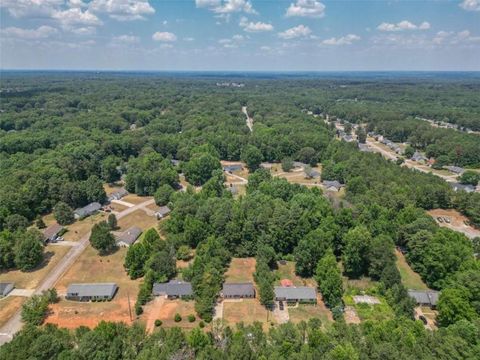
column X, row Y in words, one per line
column 15, row 323
column 249, row 119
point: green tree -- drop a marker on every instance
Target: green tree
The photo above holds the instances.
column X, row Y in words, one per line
column 329, row 279
column 310, row 250
column 112, row 221
column 101, row 239
column 355, row 253
column 163, row 194
column 40, row 223
column 470, row 177
column 109, row 169
column 453, row 305
column 63, row 214
column 200, row 167
column 307, row 155
column 29, row 250
column 35, row 309
column 287, row 164
column 409, row 151
column 252, row 156
column 361, row 135
column 94, row 190
column 16, row 222
column 135, row 260
column 7, row 252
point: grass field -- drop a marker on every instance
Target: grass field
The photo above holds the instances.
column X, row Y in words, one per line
column 135, row 199
column 246, row 310
column 410, row 279
column 240, row 270
column 366, row 312
column 81, row 227
column 305, row 312
column 137, row 218
column 117, row 207
column 31, row 279
column 110, row 188
column 287, row 271
column 169, row 308
column 9, row 306
column 91, row 267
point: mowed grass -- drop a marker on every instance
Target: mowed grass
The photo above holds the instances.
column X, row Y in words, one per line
column 9, row 306
column 367, row 312
column 135, row 199
column 31, row 279
column 305, row 312
column 171, row 307
column 410, row 279
column 247, row 311
column 92, row 268
column 138, row 218
column 240, row 270
column 80, row 228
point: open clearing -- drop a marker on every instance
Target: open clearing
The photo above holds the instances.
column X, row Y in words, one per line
column 287, row 271
column 135, row 199
column 304, row 312
column 117, row 207
column 81, row 227
column 111, row 188
column 245, row 310
column 166, row 312
column 240, row 270
column 377, row 312
column 137, row 218
column 9, row 306
column 30, row 279
column 410, row 279
column 457, row 222
column 90, row 267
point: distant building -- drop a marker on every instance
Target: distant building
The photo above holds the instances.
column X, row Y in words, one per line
column 128, row 237
column 311, row 174
column 51, row 233
column 117, row 195
column 418, row 157
column 462, row 187
column 455, row 169
column 5, row 288
column 425, row 297
column 173, row 289
column 238, row 290
column 162, row 212
column 302, row 294
column 232, row 168
column 298, row 164
column 91, row 292
column 332, row 185
column 87, row 210
column 364, row 148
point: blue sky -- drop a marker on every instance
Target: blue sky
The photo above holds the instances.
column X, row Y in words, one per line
column 292, row 35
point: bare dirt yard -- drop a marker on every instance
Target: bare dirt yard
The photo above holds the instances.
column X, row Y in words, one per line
column 137, row 218
column 117, row 207
column 90, row 267
column 9, row 306
column 351, row 316
column 410, row 279
column 135, row 199
column 166, row 312
column 245, row 310
column 30, row 279
column 240, row 270
column 457, row 221
column 81, row 227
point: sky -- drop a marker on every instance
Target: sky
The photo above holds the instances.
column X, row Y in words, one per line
column 240, row 35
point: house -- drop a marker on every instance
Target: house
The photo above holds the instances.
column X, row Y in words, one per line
column 232, row 168
column 91, row 292
column 301, row 294
column 173, row 289
column 162, row 212
column 425, row 297
column 461, row 187
column 238, row 290
column 332, row 185
column 5, row 289
column 455, row 169
column 310, row 174
column 51, row 233
column 128, row 237
column 364, row 148
column 117, row 195
column 87, row 210
column 418, row 157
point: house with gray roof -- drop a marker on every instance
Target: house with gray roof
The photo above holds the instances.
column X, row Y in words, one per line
column 233, row 167
column 91, row 292
column 418, row 157
column 128, row 237
column 332, row 185
column 51, row 233
column 462, row 187
column 455, row 169
column 302, row 294
column 425, row 297
column 88, row 210
column 364, row 148
column 173, row 289
column 162, row 212
column 238, row 290
column 5, row 288
column 117, row 195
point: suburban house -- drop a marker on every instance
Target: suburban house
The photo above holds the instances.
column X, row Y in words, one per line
column 455, row 169
column 462, row 187
column 5, row 289
column 232, row 168
column 364, row 148
column 128, row 237
column 51, row 233
column 238, row 290
column 91, row 292
column 425, row 297
column 332, row 185
column 300, row 294
column 311, row 174
column 87, row 210
column 117, row 195
column 162, row 212
column 173, row 289
column 418, row 157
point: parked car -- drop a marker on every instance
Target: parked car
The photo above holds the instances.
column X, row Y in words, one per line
column 447, row 220
column 439, row 219
column 280, row 305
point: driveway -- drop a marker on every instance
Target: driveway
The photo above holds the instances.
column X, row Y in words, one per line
column 281, row 316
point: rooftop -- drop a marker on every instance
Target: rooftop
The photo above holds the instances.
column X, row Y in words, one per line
column 92, row 289
column 52, row 231
column 130, row 235
column 89, row 209
column 173, row 288
column 238, row 289
column 295, row 293
column 424, row 296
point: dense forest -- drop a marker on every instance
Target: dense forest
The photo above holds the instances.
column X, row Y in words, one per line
column 62, row 137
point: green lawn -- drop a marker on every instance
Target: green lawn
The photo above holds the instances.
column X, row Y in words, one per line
column 410, row 279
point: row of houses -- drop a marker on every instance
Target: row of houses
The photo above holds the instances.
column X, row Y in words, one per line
column 391, row 145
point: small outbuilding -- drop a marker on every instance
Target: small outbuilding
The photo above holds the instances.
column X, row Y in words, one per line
column 455, row 169
column 238, row 290
column 91, row 292
column 301, row 294
column 128, row 237
column 332, row 185
column 52, row 233
column 162, row 212
column 6, row 288
column 88, row 210
column 462, row 187
column 173, row 289
column 233, row 167
column 425, row 297
column 117, row 195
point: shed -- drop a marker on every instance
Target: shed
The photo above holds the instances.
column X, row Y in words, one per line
column 162, row 212
column 425, row 297
column 51, row 232
column 296, row 294
column 173, row 289
column 87, row 210
column 238, row 290
column 5, row 288
column 418, row 157
column 455, row 169
column 91, row 291
column 128, row 237
column 462, row 187
column 233, row 167
column 332, row 185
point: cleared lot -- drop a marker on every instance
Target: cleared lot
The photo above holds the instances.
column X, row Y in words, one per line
column 9, row 306
column 137, row 218
column 81, row 227
column 410, row 279
column 241, row 270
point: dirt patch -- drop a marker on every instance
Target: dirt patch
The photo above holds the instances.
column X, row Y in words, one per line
column 351, row 316
column 135, row 199
column 151, row 312
column 117, row 207
column 457, row 221
column 8, row 307
column 31, row 279
column 137, row 218
column 241, row 270
column 81, row 227
column 287, row 271
column 168, row 310
column 111, row 188
column 247, row 310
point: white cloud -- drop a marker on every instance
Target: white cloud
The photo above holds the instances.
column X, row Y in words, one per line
column 164, row 36
column 452, row 38
column 295, row 32
column 75, row 16
column 402, row 26
column 76, row 4
column 41, row 32
column 306, row 8
column 86, row 30
column 122, row 10
column 34, row 8
column 254, row 26
column 226, row 6
column 126, row 39
column 344, row 40
column 166, row 46
column 470, row 5
column 234, row 42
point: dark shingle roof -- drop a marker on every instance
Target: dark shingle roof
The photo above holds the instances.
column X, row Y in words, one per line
column 93, row 289
column 238, row 289
column 233, row 167
column 295, row 293
column 424, row 297
column 173, row 288
column 89, row 209
column 130, row 235
column 5, row 288
column 52, row 231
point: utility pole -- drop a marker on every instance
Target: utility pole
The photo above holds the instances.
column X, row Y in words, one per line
column 129, row 307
